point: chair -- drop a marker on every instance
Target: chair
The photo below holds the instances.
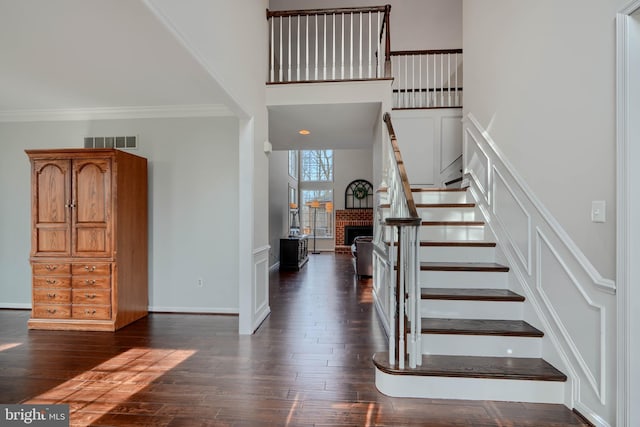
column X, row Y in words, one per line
column 364, row 255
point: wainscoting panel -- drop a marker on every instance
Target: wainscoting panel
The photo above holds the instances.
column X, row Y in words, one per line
column 476, row 164
column 581, row 321
column 514, row 219
column 261, row 308
column 566, row 297
column 434, row 135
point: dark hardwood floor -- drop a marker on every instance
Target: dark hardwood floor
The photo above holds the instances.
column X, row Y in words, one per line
column 309, row 364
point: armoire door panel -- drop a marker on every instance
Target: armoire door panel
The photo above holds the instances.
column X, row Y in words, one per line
column 53, row 241
column 92, row 210
column 91, row 239
column 52, row 234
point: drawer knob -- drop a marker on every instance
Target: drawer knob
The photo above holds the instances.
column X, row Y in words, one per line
column 51, row 310
column 90, row 296
column 90, row 282
column 51, row 267
column 51, row 295
column 51, row 281
column 89, row 312
column 90, row 269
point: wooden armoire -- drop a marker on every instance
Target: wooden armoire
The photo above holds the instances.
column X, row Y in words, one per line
column 89, row 243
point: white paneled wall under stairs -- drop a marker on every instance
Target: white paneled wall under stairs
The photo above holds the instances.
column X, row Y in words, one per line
column 475, row 343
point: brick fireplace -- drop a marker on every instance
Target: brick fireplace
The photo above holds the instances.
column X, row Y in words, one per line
column 350, row 217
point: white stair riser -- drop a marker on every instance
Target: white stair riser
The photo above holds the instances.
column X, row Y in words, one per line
column 457, row 254
column 442, row 233
column 454, row 254
column 442, row 214
column 452, row 232
column 481, row 345
column 448, row 214
column 439, row 197
column 470, row 388
column 495, row 310
column 463, row 279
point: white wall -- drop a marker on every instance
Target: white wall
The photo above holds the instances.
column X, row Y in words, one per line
column 350, row 165
column 228, row 38
column 539, row 77
column 193, row 167
column 415, row 24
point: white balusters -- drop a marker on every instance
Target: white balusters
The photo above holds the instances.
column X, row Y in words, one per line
column 298, row 50
column 272, row 48
column 327, row 44
column 281, row 46
column 289, row 49
column 427, row 79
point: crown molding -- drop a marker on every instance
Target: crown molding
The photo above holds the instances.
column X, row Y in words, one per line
column 112, row 113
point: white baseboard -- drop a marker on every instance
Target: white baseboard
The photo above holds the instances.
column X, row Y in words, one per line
column 194, row 310
column 15, row 306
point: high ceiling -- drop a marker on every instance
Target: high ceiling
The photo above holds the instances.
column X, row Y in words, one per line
column 67, row 54
column 346, row 126
column 101, row 54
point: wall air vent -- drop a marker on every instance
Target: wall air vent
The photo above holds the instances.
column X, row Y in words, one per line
column 121, row 142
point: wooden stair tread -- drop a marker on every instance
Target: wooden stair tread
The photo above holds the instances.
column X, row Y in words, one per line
column 507, row 328
column 512, row 368
column 466, row 294
column 456, row 243
column 463, row 266
column 452, row 223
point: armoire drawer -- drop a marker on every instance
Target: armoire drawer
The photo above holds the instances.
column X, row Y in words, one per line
column 86, row 283
column 93, row 269
column 50, row 269
column 53, row 311
column 88, row 312
column 52, row 296
column 90, row 296
column 51, row 282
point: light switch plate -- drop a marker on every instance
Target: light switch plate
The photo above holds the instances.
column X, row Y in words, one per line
column 598, row 211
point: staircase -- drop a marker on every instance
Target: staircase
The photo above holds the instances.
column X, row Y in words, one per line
column 475, row 344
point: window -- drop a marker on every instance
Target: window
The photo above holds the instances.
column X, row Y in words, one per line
column 317, row 165
column 293, row 164
column 321, row 216
column 316, row 192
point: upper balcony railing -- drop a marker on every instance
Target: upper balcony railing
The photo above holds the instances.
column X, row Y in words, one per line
column 427, row 78
column 329, row 44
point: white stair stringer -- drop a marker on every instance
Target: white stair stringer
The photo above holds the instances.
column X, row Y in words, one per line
column 434, row 387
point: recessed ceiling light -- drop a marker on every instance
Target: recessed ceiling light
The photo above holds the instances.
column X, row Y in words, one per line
column 304, row 132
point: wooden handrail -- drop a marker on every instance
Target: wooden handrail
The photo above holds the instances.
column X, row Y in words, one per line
column 307, row 12
column 406, row 188
column 424, row 52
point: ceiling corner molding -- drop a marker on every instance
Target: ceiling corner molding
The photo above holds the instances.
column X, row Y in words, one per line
column 113, row 113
